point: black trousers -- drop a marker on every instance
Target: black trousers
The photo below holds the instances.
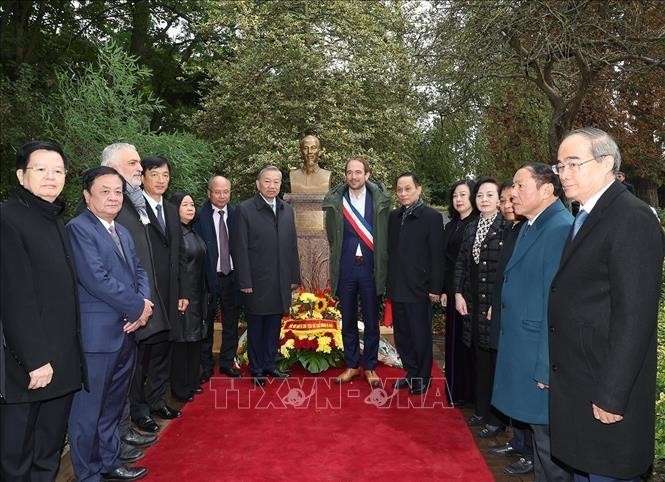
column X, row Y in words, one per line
column 262, row 342
column 185, row 368
column 227, row 299
column 151, row 376
column 484, row 365
column 544, row 466
column 31, row 439
column 413, row 338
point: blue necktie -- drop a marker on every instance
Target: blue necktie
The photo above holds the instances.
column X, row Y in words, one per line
column 579, row 221
column 160, row 218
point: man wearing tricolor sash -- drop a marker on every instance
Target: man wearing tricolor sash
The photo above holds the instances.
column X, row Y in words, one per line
column 356, row 215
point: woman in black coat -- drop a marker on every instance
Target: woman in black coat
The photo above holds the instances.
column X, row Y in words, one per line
column 43, row 363
column 462, row 211
column 190, row 328
column 475, row 277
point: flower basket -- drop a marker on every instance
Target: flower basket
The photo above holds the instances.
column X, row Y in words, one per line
column 311, row 333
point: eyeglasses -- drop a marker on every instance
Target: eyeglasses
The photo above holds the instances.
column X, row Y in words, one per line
column 572, row 166
column 42, row 171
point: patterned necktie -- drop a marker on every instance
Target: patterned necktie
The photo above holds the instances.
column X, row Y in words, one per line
column 224, row 260
column 116, row 240
column 579, row 221
column 160, row 218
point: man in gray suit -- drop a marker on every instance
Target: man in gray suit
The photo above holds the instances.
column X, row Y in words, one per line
column 264, row 248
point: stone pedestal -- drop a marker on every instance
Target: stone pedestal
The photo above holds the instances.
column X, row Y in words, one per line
column 312, row 240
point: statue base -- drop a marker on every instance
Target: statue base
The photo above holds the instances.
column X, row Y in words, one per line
column 312, row 240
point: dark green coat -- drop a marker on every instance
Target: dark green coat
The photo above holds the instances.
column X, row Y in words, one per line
column 332, row 206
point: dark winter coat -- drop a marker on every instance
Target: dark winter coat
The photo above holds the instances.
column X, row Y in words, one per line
column 264, row 247
column 38, row 294
column 415, row 266
column 490, row 252
column 190, row 326
column 603, row 308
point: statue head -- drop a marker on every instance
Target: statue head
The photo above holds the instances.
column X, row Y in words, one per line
column 310, row 149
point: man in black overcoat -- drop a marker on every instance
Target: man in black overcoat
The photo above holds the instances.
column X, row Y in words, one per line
column 264, row 249
column 415, row 280
column 603, row 317
column 43, row 363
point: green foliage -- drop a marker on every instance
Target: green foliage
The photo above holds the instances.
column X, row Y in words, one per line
column 105, row 104
column 339, row 70
column 660, row 381
column 21, row 103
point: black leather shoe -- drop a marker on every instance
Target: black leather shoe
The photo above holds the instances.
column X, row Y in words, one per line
column 198, row 391
column 132, row 437
column 503, row 450
column 491, row 431
column 401, row 383
column 147, row 424
column 129, row 453
column 418, row 386
column 278, row 374
column 205, row 377
column 125, row 472
column 258, row 381
column 476, row 421
column 520, row 467
column 167, row 413
column 184, row 399
column 230, row 372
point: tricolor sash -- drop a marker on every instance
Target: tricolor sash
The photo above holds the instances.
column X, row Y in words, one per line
column 362, row 228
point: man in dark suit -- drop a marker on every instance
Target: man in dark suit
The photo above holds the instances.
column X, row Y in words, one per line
column 265, row 253
column 147, row 394
column 603, row 317
column 415, row 280
column 356, row 217
column 214, row 224
column 114, row 303
column 41, row 360
column 522, row 365
column 125, row 159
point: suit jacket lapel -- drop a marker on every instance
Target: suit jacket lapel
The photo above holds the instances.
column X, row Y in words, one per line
column 528, row 235
column 594, row 217
column 154, row 224
column 105, row 235
column 208, row 224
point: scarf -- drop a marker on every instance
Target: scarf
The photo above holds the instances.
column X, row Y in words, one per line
column 135, row 195
column 409, row 209
column 481, row 232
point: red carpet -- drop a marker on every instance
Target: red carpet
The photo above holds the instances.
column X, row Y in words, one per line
column 309, row 428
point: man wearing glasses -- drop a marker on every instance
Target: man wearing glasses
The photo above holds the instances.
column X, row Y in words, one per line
column 522, row 366
column 603, row 317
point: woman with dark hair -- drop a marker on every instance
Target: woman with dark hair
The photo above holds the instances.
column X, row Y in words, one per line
column 190, row 328
column 475, row 277
column 462, row 211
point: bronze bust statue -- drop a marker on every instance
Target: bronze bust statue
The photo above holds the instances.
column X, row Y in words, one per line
column 310, row 178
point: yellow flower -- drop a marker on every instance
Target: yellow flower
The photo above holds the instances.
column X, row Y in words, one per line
column 286, row 347
column 317, row 316
column 321, row 305
column 307, row 297
column 324, row 344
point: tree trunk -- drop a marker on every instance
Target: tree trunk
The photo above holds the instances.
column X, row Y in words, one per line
column 140, row 24
column 561, row 122
column 647, row 191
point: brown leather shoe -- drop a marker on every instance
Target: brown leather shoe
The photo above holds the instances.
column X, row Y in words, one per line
column 347, row 375
column 372, row 378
